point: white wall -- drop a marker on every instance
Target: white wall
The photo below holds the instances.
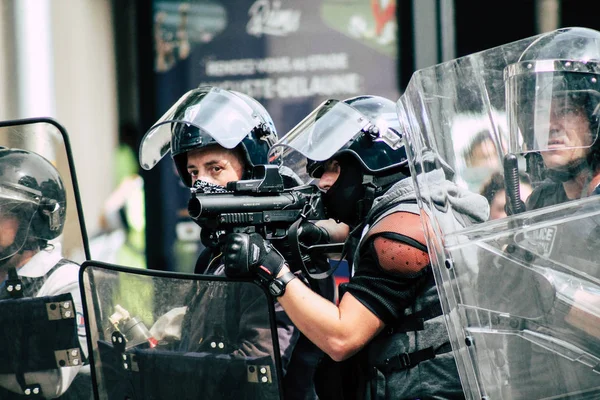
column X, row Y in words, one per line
column 7, row 85
column 86, row 95
column 82, row 91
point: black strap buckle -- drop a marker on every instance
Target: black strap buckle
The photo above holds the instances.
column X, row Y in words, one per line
column 398, row 362
column 404, row 360
column 407, row 360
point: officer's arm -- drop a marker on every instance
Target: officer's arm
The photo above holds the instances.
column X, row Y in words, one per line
column 343, row 330
column 340, row 331
column 338, row 231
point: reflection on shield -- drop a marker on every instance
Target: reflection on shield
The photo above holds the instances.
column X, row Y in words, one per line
column 42, row 238
column 198, row 336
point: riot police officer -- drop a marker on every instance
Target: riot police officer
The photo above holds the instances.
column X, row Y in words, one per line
column 217, row 136
column 553, row 104
column 32, row 214
column 388, row 325
column 554, row 111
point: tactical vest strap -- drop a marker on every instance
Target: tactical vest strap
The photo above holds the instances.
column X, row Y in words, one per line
column 414, row 321
column 31, row 286
column 16, row 287
column 408, row 360
column 409, row 324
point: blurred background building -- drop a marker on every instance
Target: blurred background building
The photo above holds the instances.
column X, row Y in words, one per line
column 107, row 69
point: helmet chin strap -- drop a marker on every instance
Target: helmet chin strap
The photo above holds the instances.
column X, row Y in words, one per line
column 12, row 252
column 371, row 191
column 20, row 251
column 5, row 261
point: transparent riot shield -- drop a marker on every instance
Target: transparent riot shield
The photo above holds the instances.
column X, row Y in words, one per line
column 521, row 293
column 43, row 349
column 193, row 336
column 49, row 139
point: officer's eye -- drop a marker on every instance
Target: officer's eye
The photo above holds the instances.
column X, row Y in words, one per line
column 566, row 108
column 568, row 111
column 332, row 166
column 215, row 169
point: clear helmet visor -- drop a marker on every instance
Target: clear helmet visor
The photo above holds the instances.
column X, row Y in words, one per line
column 552, row 111
column 322, row 133
column 216, row 112
column 336, row 126
column 17, row 209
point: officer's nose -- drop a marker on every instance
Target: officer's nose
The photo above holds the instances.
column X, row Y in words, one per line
column 327, row 180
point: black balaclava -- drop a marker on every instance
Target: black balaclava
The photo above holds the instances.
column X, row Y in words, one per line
column 343, row 201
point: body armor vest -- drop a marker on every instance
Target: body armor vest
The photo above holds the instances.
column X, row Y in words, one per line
column 411, row 358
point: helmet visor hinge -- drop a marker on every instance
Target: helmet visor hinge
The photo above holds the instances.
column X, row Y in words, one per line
column 372, row 131
column 51, row 209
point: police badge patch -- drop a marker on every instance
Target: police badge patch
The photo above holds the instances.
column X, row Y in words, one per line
column 539, row 241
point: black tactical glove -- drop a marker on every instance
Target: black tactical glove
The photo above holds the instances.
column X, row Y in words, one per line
column 310, row 234
column 249, row 255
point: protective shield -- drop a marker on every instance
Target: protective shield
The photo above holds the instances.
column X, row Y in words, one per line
column 25, row 183
column 521, row 293
column 157, row 335
column 42, row 239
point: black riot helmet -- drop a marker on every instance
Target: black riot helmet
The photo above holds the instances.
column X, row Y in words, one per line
column 556, row 76
column 376, row 142
column 32, row 201
column 363, row 134
column 210, row 116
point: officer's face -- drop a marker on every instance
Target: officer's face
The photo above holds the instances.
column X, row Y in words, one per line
column 330, row 175
column 570, row 134
column 215, row 164
column 9, row 226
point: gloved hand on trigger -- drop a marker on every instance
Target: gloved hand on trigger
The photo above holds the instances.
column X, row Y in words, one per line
column 249, row 255
column 310, row 234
